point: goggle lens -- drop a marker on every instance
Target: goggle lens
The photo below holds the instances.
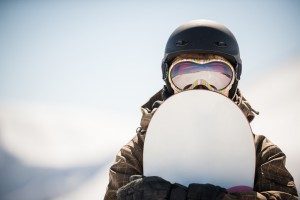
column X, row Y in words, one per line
column 216, row 73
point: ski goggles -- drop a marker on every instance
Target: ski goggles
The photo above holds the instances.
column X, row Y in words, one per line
column 216, row 73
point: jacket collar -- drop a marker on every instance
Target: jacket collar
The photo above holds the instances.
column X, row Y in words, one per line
column 149, row 108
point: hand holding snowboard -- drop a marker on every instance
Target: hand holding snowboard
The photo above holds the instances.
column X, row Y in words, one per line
column 154, row 187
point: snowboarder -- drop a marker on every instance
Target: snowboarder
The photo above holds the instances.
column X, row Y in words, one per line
column 210, row 48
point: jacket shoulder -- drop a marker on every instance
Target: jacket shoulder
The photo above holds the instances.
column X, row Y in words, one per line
column 271, row 173
column 128, row 162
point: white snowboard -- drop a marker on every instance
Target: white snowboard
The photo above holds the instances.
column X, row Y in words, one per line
column 199, row 136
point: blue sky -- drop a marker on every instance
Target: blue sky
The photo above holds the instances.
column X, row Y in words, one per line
column 101, row 53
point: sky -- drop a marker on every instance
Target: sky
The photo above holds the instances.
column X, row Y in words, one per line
column 73, row 75
column 95, row 53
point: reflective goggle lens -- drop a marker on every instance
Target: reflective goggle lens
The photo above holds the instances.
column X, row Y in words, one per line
column 216, row 73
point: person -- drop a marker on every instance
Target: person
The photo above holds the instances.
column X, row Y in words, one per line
column 199, row 54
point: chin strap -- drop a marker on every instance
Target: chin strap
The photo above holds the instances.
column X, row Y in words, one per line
column 166, row 93
column 239, row 100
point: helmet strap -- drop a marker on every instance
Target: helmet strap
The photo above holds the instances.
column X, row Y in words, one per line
column 233, row 89
column 166, row 92
column 165, row 71
column 167, row 88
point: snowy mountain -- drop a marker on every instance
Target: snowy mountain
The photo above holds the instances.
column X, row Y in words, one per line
column 52, row 152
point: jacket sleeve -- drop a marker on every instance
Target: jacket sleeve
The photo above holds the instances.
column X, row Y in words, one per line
column 272, row 179
column 128, row 162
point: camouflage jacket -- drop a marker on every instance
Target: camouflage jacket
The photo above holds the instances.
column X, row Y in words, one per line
column 272, row 179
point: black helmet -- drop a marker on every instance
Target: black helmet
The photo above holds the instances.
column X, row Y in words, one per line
column 203, row 36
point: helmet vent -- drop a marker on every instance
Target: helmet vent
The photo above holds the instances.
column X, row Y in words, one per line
column 180, row 43
column 221, row 44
